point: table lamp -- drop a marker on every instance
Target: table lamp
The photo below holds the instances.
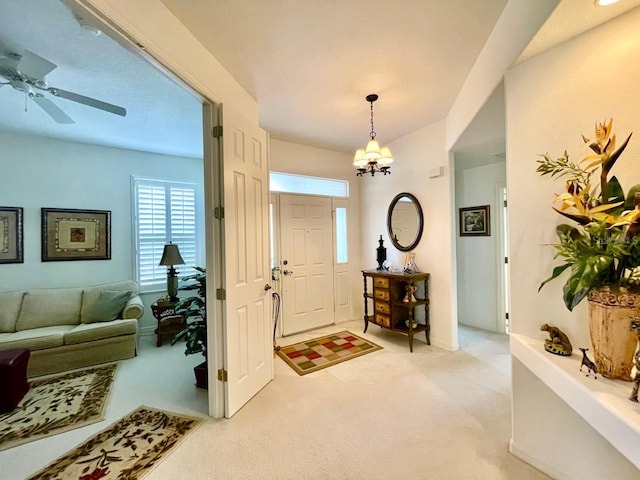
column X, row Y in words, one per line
column 170, row 257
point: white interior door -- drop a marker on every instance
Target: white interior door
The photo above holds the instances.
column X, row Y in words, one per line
column 247, row 327
column 306, row 262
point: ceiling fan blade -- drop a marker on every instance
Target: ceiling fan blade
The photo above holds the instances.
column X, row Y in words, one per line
column 52, row 109
column 91, row 102
column 34, row 65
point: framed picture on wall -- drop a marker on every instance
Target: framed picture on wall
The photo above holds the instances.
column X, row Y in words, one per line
column 11, row 235
column 69, row 234
column 475, row 221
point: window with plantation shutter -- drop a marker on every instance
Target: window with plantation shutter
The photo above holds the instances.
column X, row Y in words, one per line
column 164, row 212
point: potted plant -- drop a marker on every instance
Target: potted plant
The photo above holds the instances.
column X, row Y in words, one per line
column 601, row 250
column 195, row 333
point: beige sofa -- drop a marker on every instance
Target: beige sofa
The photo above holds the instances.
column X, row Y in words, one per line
column 67, row 328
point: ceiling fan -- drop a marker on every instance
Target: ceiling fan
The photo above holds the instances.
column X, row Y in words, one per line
column 26, row 73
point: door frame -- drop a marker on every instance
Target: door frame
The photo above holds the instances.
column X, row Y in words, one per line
column 128, row 38
column 501, row 254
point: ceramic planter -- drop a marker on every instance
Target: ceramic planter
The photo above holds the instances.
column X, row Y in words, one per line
column 611, row 309
column 202, row 376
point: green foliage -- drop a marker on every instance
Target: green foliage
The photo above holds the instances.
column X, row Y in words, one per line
column 562, row 167
column 193, row 309
column 604, row 249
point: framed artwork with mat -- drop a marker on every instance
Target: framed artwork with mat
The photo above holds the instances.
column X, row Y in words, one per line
column 71, row 234
column 11, row 235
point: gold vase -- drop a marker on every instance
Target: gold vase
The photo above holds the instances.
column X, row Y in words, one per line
column 611, row 309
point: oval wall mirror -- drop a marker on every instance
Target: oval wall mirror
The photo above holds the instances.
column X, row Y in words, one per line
column 405, row 221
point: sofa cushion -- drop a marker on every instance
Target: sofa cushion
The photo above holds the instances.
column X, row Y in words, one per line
column 48, row 307
column 35, row 339
column 134, row 308
column 91, row 295
column 10, row 303
column 107, row 307
column 96, row 331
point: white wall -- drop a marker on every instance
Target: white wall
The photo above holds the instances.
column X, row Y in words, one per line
column 477, row 257
column 518, row 23
column 303, row 160
column 42, row 172
column 415, row 154
column 551, row 100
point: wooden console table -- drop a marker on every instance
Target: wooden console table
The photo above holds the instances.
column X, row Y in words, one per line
column 168, row 322
column 393, row 304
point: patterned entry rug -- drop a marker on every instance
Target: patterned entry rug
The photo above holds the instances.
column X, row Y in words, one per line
column 126, row 450
column 313, row 355
column 57, row 404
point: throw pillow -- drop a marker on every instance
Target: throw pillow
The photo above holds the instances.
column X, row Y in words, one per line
column 108, row 306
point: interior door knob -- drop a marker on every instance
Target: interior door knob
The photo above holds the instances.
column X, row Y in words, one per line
column 287, row 272
column 267, row 287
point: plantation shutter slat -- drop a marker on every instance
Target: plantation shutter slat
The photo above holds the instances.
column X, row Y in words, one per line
column 166, row 212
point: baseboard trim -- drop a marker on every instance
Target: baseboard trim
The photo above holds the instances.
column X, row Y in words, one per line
column 450, row 347
column 147, row 331
column 536, row 463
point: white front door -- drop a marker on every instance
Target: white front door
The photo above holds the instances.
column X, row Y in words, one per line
column 306, row 262
column 247, row 326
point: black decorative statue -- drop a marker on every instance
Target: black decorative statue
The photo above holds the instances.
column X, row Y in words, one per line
column 381, row 256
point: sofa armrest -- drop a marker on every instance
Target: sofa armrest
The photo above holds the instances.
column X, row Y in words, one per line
column 134, row 308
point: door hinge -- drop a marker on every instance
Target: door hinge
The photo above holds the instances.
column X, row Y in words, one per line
column 506, row 259
column 221, row 294
column 506, row 315
column 218, row 212
column 505, row 203
column 217, row 131
column 222, row 375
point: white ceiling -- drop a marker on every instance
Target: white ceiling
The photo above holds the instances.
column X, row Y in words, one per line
column 309, row 64
column 161, row 116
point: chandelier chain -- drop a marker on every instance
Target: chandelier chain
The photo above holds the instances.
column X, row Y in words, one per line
column 373, row 132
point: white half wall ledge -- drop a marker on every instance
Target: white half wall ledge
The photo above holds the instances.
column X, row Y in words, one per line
column 603, row 403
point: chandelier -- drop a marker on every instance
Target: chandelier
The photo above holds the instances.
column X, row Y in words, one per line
column 373, row 158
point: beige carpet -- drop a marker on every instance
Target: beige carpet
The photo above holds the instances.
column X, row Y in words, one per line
column 57, row 404
column 394, row 415
column 126, row 450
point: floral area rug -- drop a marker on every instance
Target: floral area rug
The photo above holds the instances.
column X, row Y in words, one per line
column 57, row 404
column 313, row 355
column 127, row 449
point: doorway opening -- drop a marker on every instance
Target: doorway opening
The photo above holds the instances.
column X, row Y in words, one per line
column 309, row 251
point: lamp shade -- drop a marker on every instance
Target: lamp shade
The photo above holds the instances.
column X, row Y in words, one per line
column 385, row 156
column 373, row 150
column 171, row 255
column 358, row 160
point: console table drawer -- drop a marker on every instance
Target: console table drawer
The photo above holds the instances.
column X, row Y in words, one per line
column 381, row 294
column 380, row 282
column 382, row 307
column 383, row 320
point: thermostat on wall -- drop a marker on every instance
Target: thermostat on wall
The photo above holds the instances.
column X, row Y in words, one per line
column 436, row 172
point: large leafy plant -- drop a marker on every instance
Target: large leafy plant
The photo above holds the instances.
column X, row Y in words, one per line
column 604, row 247
column 193, row 309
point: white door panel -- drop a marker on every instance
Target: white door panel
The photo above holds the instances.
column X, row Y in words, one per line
column 248, row 354
column 307, row 249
